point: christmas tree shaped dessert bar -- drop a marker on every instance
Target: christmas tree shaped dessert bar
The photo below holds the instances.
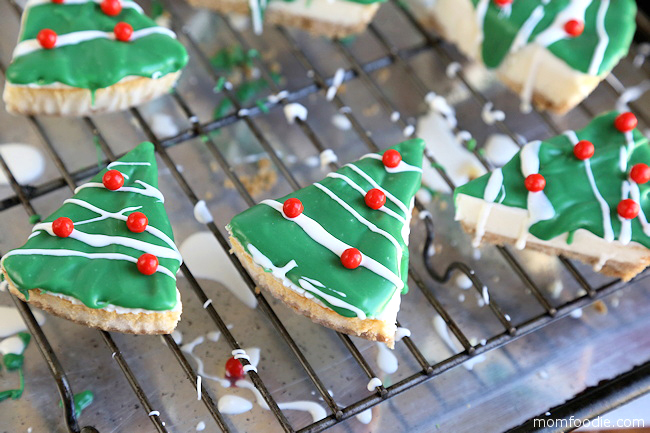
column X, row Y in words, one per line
column 582, row 194
column 82, row 57
column 552, row 52
column 106, row 258
column 337, row 251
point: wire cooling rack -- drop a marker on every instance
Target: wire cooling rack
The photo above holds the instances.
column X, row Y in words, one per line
column 368, row 62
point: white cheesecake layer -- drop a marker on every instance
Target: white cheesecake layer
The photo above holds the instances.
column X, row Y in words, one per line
column 510, row 221
column 340, row 12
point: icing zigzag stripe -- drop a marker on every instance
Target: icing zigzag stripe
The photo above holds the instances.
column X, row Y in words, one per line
column 31, row 45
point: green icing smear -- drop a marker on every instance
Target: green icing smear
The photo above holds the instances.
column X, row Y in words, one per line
column 81, row 401
column 14, row 362
column 96, row 63
column 567, row 183
column 99, row 282
column 282, row 240
column 500, row 30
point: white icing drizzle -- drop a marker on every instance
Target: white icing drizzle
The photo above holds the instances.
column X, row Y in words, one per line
column 200, row 426
column 481, row 10
column 452, row 69
column 539, row 206
column 603, row 39
column 256, row 16
column 11, row 321
column 365, row 417
column 631, row 94
column 374, row 184
column 363, row 192
column 315, row 231
column 386, row 360
column 337, row 80
column 527, row 89
column 234, row 404
column 295, row 111
column 401, row 167
column 374, row 383
column 327, row 157
column 521, row 39
column 625, row 235
column 443, row 331
column 306, row 288
column 99, row 241
column 199, row 379
column 490, row 116
column 202, row 213
column 154, row 413
column 12, row 345
column 147, row 189
column 315, row 410
column 608, row 230
column 92, row 256
column 575, row 10
column 372, row 227
column 401, row 333
column 122, row 163
column 490, row 194
column 30, row 45
column 189, row 349
column 635, row 195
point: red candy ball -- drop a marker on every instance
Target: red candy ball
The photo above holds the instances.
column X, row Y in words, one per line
column 234, row 369
column 628, row 208
column 292, row 207
column 574, row 27
column 47, row 38
column 62, row 227
column 57, row 1
column 502, row 3
column 113, row 180
column 375, row 198
column 147, row 264
column 625, row 122
column 123, row 31
column 583, row 149
column 111, row 7
column 640, row 173
column 351, row 258
column 535, row 182
column 137, row 222
column 391, row 158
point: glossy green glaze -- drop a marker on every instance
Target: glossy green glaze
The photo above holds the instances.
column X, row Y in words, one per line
column 97, row 63
column 501, row 29
column 99, row 282
column 282, row 240
column 567, row 182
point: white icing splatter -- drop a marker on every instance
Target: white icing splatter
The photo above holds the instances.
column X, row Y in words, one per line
column 401, row 333
column 154, row 413
column 463, row 281
column 327, row 157
column 13, row 345
column 386, row 360
column 200, row 426
column 365, row 417
column 631, row 94
column 341, row 122
column 233, row 405
column 556, row 288
column 499, row 149
column 339, row 75
column 163, row 125
column 206, row 259
column 452, row 69
column 374, row 383
column 441, row 328
column 490, row 116
column 295, row 111
column 11, row 321
column 202, row 213
column 25, row 162
column 177, row 336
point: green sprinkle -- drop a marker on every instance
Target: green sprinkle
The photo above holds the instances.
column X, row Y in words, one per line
column 81, row 401
column 34, row 219
column 471, row 144
column 220, row 83
column 481, row 152
column 262, row 106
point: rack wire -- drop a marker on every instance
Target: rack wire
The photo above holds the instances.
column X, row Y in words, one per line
column 607, row 395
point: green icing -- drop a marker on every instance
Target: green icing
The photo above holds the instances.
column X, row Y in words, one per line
column 101, row 281
column 14, row 362
column 81, row 401
column 95, row 63
column 282, row 240
column 567, row 183
column 500, row 30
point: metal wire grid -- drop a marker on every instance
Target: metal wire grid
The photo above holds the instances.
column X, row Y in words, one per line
column 362, row 72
